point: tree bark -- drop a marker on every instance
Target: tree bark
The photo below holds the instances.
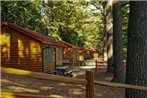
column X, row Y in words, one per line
column 48, row 31
column 109, row 31
column 136, row 70
column 105, row 47
column 119, row 75
column 105, row 36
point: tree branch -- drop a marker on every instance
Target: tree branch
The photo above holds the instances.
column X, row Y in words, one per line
column 124, row 4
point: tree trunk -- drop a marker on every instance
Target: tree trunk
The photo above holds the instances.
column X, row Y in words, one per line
column 47, row 17
column 119, row 75
column 105, row 36
column 109, row 31
column 105, row 47
column 136, row 71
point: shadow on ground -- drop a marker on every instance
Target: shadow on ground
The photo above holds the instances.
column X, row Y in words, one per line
column 27, row 85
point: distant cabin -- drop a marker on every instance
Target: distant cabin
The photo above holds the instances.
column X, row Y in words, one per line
column 94, row 53
column 81, row 54
column 90, row 53
column 29, row 50
column 85, row 54
column 69, row 54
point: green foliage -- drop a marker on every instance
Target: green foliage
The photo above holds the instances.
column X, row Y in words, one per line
column 77, row 22
column 25, row 13
column 125, row 18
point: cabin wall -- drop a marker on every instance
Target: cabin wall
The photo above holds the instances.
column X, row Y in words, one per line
column 94, row 54
column 74, row 56
column 87, row 55
column 67, row 55
column 20, row 51
column 5, row 48
column 59, row 55
column 81, row 55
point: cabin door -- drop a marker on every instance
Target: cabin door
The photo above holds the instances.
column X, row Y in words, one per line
column 54, row 57
column 47, row 59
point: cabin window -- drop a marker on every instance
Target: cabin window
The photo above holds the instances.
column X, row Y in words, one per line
column 8, row 31
column 44, row 55
column 49, row 55
column 60, row 54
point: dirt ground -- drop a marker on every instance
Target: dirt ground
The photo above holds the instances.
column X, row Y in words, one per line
column 53, row 89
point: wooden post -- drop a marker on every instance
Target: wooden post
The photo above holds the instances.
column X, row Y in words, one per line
column 90, row 84
column 96, row 64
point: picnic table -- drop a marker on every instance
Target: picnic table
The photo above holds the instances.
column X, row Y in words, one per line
column 65, row 62
column 80, row 63
column 64, row 71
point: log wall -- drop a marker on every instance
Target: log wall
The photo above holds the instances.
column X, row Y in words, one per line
column 67, row 55
column 20, row 51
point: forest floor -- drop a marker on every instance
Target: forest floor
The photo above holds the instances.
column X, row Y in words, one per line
column 53, row 89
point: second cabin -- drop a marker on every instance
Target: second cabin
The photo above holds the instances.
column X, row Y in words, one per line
column 69, row 54
column 53, row 55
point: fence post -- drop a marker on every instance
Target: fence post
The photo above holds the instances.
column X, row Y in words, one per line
column 90, row 84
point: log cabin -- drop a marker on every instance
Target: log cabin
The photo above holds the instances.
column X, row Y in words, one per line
column 89, row 53
column 69, row 54
column 80, row 56
column 29, row 50
column 94, row 53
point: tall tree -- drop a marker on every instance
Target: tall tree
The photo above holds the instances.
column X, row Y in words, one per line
column 119, row 75
column 105, row 36
column 136, row 70
column 46, row 15
column 109, row 31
